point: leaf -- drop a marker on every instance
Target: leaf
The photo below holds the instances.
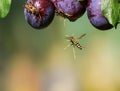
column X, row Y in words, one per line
column 4, row 7
column 110, row 9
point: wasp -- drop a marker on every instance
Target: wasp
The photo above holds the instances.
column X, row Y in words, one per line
column 31, row 8
column 74, row 41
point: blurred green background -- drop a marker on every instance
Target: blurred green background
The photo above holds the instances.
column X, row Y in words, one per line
column 35, row 60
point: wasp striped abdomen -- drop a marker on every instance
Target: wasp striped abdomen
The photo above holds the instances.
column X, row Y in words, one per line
column 78, row 46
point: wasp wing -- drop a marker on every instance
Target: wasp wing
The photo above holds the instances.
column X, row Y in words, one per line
column 81, row 36
column 69, row 38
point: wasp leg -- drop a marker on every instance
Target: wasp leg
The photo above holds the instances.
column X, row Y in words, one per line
column 67, row 46
column 67, row 35
column 74, row 55
column 64, row 22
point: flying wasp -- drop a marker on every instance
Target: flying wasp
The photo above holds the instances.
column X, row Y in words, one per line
column 74, row 42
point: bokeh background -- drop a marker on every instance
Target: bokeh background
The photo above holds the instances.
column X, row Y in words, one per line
column 35, row 60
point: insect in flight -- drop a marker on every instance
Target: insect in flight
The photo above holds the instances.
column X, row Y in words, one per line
column 74, row 42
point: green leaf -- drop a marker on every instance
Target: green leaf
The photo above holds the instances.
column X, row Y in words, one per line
column 110, row 9
column 4, row 7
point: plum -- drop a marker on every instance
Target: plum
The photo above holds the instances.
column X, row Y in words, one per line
column 95, row 15
column 71, row 9
column 39, row 13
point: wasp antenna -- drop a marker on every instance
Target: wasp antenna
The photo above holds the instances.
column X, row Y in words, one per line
column 24, row 4
column 67, row 40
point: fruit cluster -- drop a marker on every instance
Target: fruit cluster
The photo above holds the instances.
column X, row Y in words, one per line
column 40, row 13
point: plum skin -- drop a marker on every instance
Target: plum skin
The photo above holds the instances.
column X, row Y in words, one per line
column 95, row 15
column 39, row 13
column 71, row 9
